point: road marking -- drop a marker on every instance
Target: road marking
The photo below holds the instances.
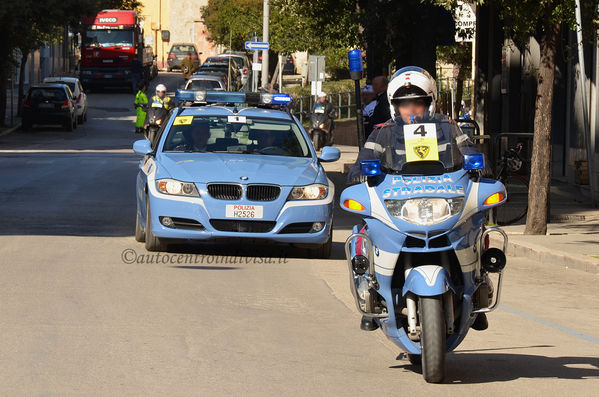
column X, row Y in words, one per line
column 550, row 324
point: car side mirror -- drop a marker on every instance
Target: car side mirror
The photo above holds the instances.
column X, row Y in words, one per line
column 329, row 154
column 142, row 147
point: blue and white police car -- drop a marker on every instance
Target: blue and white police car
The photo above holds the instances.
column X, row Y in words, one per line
column 233, row 164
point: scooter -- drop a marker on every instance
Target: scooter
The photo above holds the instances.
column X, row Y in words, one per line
column 420, row 266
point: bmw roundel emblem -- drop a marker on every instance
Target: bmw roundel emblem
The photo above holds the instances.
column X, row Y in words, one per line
column 243, row 178
column 376, row 251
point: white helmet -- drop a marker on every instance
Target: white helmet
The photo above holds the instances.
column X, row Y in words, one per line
column 160, row 88
column 411, row 82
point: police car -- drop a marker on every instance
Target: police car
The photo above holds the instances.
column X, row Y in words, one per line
column 233, row 164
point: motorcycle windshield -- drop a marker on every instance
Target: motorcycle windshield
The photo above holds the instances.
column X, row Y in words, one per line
column 421, row 147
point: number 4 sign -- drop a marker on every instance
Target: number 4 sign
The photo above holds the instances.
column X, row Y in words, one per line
column 421, row 142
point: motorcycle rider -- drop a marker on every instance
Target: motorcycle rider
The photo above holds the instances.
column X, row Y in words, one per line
column 324, row 107
column 412, row 95
column 161, row 100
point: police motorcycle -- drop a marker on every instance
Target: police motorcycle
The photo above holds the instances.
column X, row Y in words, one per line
column 156, row 114
column 321, row 124
column 420, row 266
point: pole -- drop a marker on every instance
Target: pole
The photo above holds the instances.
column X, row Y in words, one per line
column 265, row 19
column 585, row 104
column 359, row 117
column 280, row 72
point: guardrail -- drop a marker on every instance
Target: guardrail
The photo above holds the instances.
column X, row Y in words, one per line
column 344, row 102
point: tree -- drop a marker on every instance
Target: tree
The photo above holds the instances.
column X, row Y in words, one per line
column 544, row 18
column 295, row 25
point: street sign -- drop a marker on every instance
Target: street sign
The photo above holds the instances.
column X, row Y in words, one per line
column 257, row 67
column 256, row 45
column 465, row 22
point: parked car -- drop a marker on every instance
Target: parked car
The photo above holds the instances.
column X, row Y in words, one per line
column 243, row 63
column 227, row 69
column 49, row 104
column 206, row 81
column 222, row 172
column 288, row 65
column 80, row 96
column 178, row 53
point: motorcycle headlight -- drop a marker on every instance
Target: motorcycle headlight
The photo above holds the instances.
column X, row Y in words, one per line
column 177, row 188
column 425, row 211
column 309, row 192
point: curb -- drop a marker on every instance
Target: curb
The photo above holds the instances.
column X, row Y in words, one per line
column 11, row 129
column 549, row 256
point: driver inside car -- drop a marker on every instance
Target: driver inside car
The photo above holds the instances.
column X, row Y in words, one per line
column 196, row 138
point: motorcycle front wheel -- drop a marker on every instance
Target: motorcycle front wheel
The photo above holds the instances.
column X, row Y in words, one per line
column 432, row 338
column 316, row 139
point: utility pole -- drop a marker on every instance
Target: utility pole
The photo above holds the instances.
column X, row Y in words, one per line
column 265, row 18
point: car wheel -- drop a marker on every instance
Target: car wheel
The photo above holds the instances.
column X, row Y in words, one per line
column 140, row 234
column 85, row 116
column 68, row 124
column 153, row 243
column 75, row 121
column 169, row 69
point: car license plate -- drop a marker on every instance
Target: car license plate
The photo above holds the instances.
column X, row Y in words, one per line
column 245, row 211
column 107, row 76
column 46, row 105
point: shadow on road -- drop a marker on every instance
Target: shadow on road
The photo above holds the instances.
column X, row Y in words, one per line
column 477, row 367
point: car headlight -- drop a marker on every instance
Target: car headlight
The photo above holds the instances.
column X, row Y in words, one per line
column 425, row 211
column 177, row 188
column 309, row 192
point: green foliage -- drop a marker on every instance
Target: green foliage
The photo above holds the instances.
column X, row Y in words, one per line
column 459, row 54
column 319, row 26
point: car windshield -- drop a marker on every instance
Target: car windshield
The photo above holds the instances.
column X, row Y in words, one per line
column 183, row 49
column 236, row 134
column 108, row 38
column 198, row 84
column 47, row 94
column 431, row 140
column 238, row 62
column 71, row 85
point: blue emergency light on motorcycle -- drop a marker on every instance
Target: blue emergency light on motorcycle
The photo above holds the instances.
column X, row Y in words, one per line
column 355, row 61
column 475, row 161
column 370, row 167
column 355, row 64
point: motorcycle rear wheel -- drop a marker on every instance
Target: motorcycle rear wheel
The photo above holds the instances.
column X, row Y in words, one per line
column 432, row 339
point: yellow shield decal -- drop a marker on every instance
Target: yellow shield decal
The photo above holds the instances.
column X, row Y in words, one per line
column 422, row 151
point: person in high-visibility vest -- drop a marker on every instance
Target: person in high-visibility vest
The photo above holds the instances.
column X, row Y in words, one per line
column 141, row 101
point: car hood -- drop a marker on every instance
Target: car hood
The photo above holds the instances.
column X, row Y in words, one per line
column 227, row 167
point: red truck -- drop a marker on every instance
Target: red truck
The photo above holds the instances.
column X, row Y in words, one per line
column 113, row 51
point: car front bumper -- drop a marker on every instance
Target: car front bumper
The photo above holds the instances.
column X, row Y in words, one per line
column 209, row 224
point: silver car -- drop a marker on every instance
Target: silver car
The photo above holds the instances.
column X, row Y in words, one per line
column 206, row 81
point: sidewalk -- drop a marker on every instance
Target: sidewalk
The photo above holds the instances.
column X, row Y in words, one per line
column 572, row 239
column 15, row 123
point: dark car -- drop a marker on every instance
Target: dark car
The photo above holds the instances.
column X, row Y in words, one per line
column 226, row 68
column 49, row 104
column 178, row 53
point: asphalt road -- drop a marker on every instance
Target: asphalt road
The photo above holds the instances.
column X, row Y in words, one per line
column 85, row 310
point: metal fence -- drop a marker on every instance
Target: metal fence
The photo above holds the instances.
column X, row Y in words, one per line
column 344, row 102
